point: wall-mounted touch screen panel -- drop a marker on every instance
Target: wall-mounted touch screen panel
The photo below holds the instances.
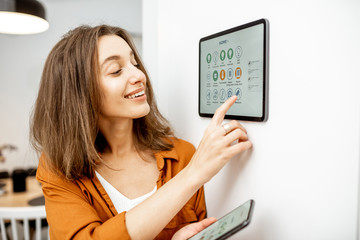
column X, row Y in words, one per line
column 235, row 62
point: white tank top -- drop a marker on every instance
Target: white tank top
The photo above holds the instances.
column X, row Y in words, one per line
column 121, row 202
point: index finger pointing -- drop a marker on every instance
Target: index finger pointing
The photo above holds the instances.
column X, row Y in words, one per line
column 221, row 111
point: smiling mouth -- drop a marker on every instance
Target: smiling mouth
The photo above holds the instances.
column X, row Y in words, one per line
column 135, row 95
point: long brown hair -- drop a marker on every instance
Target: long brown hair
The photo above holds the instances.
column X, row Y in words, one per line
column 64, row 124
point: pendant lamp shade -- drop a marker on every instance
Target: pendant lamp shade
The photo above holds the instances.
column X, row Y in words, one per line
column 22, row 17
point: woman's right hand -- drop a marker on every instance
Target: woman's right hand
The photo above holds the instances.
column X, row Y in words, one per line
column 192, row 229
column 216, row 147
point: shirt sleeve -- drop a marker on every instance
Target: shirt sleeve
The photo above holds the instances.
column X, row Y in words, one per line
column 200, row 205
column 186, row 151
column 70, row 212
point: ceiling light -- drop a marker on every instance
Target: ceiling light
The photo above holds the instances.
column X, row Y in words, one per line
column 22, row 17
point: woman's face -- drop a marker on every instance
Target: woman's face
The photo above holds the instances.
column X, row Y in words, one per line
column 122, row 82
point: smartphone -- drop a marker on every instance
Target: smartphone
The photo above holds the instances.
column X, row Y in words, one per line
column 229, row 224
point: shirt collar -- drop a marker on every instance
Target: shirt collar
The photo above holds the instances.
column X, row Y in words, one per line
column 162, row 155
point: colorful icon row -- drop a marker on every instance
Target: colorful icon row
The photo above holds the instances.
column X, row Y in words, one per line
column 229, row 74
column 223, row 94
column 223, row 54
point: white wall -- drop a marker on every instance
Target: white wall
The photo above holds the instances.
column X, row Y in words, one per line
column 303, row 170
column 22, row 59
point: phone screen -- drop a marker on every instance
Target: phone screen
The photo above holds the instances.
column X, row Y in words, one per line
column 227, row 225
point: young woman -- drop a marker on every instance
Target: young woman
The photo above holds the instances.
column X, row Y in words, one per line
column 110, row 167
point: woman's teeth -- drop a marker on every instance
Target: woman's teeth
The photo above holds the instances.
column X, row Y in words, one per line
column 135, row 95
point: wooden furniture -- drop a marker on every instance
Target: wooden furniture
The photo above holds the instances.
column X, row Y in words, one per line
column 20, row 199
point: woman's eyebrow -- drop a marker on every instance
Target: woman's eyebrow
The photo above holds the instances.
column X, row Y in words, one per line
column 111, row 58
column 115, row 57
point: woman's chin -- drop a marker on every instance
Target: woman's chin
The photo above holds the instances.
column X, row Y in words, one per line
column 142, row 113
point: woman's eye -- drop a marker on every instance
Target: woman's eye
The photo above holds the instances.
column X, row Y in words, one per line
column 135, row 63
column 116, row 72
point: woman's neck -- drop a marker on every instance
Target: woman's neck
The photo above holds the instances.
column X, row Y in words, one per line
column 119, row 137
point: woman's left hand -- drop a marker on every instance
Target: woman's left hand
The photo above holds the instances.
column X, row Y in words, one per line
column 192, row 229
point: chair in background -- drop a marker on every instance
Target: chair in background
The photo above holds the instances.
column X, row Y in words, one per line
column 23, row 214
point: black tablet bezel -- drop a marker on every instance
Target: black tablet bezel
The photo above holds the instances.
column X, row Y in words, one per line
column 265, row 100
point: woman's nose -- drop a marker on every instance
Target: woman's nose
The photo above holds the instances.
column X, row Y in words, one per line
column 136, row 75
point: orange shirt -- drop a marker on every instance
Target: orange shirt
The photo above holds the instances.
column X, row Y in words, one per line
column 82, row 209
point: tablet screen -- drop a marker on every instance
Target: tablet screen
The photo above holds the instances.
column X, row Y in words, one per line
column 235, row 62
